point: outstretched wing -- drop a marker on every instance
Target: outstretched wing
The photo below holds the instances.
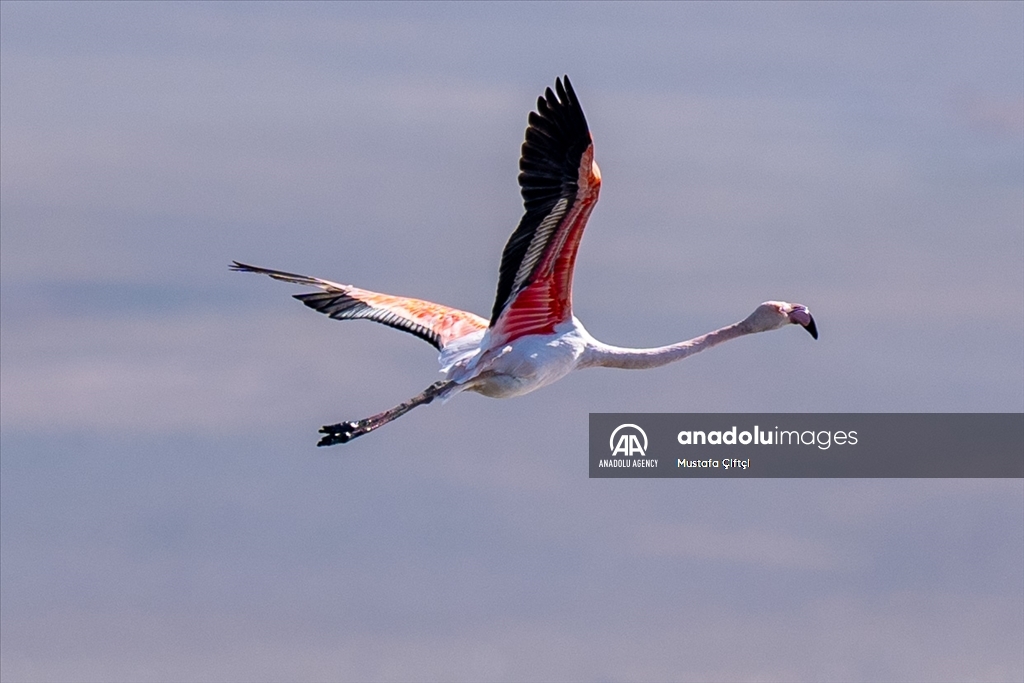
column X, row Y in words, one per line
column 560, row 184
column 432, row 322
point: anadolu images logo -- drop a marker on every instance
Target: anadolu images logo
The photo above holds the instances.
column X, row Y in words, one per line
column 628, row 444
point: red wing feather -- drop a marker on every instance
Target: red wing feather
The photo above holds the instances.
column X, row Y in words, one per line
column 560, row 184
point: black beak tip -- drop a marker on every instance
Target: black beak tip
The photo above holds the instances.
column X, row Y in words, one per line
column 812, row 329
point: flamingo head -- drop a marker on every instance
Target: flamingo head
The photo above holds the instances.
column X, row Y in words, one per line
column 771, row 315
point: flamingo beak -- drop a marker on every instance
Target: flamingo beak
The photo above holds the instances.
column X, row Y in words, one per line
column 811, row 328
column 801, row 316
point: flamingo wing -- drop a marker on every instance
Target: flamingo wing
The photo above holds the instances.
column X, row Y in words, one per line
column 434, row 323
column 560, row 183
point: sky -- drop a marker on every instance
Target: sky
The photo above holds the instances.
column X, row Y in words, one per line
column 164, row 513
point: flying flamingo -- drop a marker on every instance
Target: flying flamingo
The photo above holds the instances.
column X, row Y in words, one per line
column 532, row 338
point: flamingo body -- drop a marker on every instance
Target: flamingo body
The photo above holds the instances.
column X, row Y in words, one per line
column 532, row 338
column 520, row 365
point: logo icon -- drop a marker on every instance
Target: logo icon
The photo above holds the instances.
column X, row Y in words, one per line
column 628, row 443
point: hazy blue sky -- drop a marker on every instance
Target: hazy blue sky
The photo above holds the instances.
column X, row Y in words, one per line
column 165, row 515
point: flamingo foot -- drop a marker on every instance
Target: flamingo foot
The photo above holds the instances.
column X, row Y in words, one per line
column 343, row 432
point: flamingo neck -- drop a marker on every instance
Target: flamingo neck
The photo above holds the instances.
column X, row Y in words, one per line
column 603, row 355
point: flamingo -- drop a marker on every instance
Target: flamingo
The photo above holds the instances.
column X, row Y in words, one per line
column 532, row 338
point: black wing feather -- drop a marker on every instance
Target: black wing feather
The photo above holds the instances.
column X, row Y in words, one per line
column 341, row 306
column 556, row 138
column 335, row 303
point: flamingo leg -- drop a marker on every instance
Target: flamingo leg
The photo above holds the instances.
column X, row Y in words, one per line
column 343, row 432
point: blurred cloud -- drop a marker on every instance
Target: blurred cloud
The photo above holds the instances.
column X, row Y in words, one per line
column 987, row 114
column 165, row 514
column 755, row 546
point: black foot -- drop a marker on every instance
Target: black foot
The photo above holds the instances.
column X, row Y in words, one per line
column 343, row 432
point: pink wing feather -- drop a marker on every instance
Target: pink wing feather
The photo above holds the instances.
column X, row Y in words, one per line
column 432, row 322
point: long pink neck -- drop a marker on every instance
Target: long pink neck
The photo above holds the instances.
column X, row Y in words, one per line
column 607, row 356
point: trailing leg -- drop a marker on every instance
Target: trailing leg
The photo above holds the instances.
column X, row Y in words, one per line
column 343, row 432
